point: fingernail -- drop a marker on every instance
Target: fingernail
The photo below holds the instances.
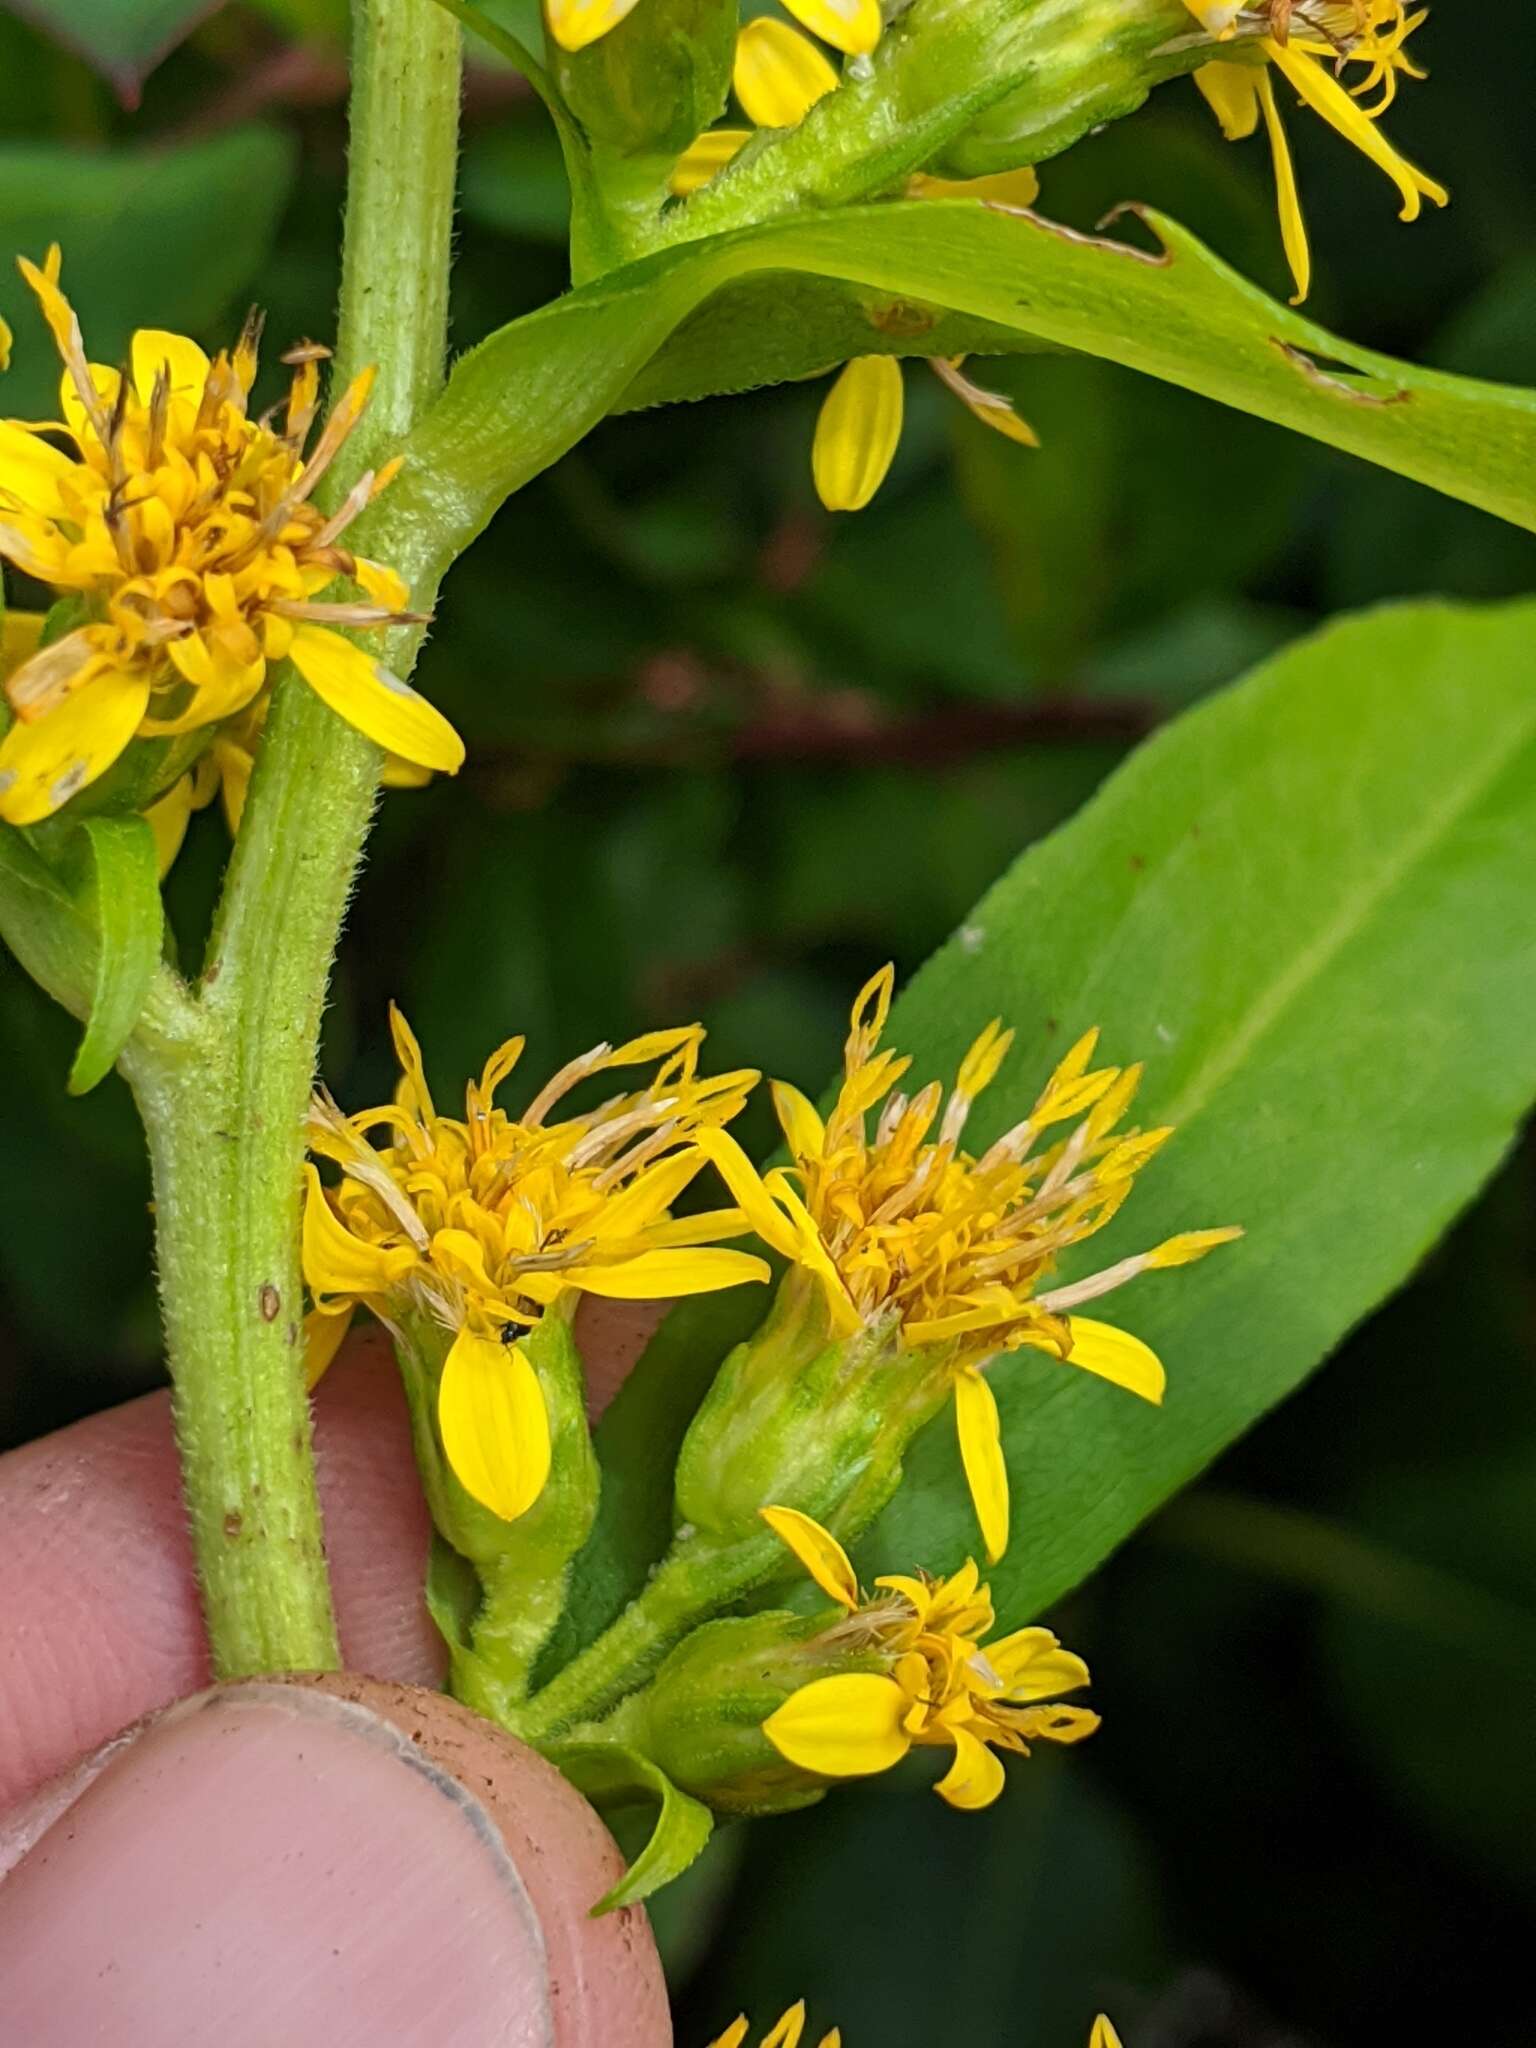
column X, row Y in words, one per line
column 268, row 1864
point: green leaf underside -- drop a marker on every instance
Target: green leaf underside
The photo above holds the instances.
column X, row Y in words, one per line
column 611, row 1775
column 1296, row 903
column 122, row 38
column 528, row 393
column 123, row 893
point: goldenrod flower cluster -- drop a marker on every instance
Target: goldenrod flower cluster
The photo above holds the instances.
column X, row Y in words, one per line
column 483, row 1223
column 188, row 531
column 945, row 1685
column 899, row 1222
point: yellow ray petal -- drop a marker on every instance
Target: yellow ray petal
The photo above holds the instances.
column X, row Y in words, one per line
column 981, row 1453
column 654, row 1276
column 786, row 2031
column 575, row 23
column 323, row 1334
column 1322, row 92
column 31, row 471
column 998, row 188
column 20, row 633
column 1103, row 2035
column 44, row 764
column 154, row 349
column 975, row 1778
column 749, row 1191
column 857, row 433
column 364, row 693
column 818, row 1550
column 337, row 1264
column 494, row 1424
column 736, row 2033
column 1032, row 1665
column 1232, row 93
column 852, row 26
column 994, row 409
column 799, row 1120
column 1117, row 1356
column 1190, row 1245
column 778, row 75
column 1293, row 226
column 704, row 156
column 167, row 819
column 847, row 1727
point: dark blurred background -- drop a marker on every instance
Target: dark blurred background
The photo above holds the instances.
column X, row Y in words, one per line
column 729, row 753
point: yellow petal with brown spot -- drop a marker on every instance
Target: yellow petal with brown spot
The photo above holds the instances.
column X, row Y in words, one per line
column 364, row 693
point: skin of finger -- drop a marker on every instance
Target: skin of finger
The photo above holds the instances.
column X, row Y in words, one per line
column 334, row 1862
column 101, row 1616
column 96, row 1586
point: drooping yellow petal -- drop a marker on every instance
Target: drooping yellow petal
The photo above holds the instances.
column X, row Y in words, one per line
column 852, row 26
column 704, row 156
column 846, row 1727
column 1232, row 93
column 857, row 433
column 1031, row 1665
column 998, row 188
column 44, row 763
column 575, row 23
column 1103, row 2035
column 339, row 1265
column 323, row 1334
column 976, row 1776
column 799, row 1120
column 981, row 1453
column 364, row 693
column 658, row 1275
column 1117, row 1356
column 167, row 819
column 818, row 1550
column 778, row 75
column 153, row 349
column 736, row 2033
column 1293, row 225
column 494, row 1424
column 994, row 409
column 1322, row 92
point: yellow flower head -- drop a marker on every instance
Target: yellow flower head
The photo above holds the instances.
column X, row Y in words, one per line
column 898, row 1221
column 941, row 1687
column 482, row 1223
column 1316, row 45
column 188, row 530
column 786, row 2034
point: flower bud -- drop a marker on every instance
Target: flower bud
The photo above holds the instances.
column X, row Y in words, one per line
column 654, row 80
column 701, row 1718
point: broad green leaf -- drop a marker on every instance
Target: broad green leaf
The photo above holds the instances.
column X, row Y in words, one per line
column 614, row 1776
column 122, row 896
column 151, row 238
column 931, row 278
column 123, row 38
column 1307, row 904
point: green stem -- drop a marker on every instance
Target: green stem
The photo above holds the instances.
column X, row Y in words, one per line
column 694, row 1581
column 225, row 1125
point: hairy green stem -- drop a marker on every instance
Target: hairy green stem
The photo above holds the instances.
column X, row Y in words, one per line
column 225, row 1121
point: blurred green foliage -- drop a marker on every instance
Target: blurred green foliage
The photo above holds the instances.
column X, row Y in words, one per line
column 728, row 754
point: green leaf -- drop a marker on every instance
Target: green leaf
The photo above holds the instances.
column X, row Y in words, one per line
column 941, row 278
column 122, row 896
column 125, row 39
column 612, row 1775
column 164, row 238
column 1295, row 903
